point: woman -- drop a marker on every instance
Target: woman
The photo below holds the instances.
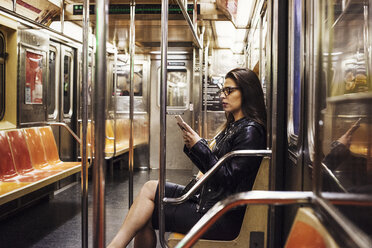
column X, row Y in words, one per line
column 243, row 101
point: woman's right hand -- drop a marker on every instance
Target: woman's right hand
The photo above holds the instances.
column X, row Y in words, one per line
column 346, row 138
column 190, row 137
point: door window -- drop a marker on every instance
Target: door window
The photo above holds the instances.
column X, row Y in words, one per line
column 2, row 75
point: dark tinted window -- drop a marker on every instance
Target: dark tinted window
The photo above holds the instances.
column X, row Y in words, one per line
column 2, row 76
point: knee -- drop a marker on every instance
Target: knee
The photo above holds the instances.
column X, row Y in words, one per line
column 149, row 189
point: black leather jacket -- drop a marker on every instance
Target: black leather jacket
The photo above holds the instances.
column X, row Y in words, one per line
column 236, row 174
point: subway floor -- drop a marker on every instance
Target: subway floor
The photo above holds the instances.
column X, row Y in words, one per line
column 56, row 222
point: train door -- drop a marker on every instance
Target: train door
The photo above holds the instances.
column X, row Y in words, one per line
column 178, row 103
column 61, row 90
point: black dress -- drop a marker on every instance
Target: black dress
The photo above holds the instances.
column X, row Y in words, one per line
column 235, row 175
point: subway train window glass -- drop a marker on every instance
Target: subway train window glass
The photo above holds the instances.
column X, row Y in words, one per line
column 295, row 67
column 67, row 84
column 123, row 88
column 346, row 117
column 177, row 89
column 51, row 90
column 2, row 75
column 34, row 78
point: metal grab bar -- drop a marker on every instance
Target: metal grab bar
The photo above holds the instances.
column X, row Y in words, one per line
column 258, row 197
column 189, row 22
column 62, row 124
column 210, row 172
column 250, row 197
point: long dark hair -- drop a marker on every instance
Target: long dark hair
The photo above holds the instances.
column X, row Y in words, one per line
column 253, row 103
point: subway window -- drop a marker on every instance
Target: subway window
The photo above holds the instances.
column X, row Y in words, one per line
column 177, row 89
column 67, row 84
column 2, row 75
column 52, row 85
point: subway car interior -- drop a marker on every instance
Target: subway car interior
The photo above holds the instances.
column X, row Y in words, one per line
column 89, row 91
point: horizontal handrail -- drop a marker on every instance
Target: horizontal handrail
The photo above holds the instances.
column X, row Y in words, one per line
column 210, row 172
column 258, row 197
column 62, row 124
column 189, row 22
column 250, row 197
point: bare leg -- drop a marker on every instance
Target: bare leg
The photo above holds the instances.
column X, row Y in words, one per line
column 138, row 219
column 146, row 237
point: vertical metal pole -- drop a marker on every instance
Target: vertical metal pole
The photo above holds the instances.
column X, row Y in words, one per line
column 131, row 97
column 14, row 5
column 205, row 85
column 62, row 17
column 84, row 160
column 163, row 119
column 318, row 122
column 201, row 123
column 99, row 126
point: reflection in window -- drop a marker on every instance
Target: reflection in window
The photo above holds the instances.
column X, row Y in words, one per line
column 52, row 83
column 295, row 88
column 34, row 78
column 177, row 88
column 2, row 75
column 123, row 77
column 66, row 84
column 347, row 115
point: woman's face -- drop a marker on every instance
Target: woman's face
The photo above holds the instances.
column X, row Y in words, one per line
column 231, row 102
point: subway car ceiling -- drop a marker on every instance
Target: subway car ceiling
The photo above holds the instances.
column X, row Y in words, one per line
column 222, row 26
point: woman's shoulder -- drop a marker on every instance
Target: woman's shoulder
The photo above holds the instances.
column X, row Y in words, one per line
column 251, row 125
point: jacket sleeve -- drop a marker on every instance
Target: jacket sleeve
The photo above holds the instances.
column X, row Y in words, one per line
column 236, row 168
column 200, row 154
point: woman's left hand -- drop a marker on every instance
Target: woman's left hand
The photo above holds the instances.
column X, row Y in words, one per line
column 190, row 137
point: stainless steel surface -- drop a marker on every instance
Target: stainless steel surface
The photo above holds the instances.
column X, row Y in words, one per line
column 316, row 173
column 132, row 39
column 163, row 119
column 181, row 199
column 205, row 85
column 99, row 125
column 251, row 197
column 35, row 43
column 62, row 16
column 189, row 22
column 62, row 124
column 175, row 158
column 84, row 159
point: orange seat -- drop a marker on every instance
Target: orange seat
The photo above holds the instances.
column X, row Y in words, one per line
column 37, row 152
column 7, row 169
column 21, row 158
column 51, row 150
column 308, row 232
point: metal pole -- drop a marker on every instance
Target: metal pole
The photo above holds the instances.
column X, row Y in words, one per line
column 205, row 85
column 99, row 126
column 84, row 160
column 131, row 97
column 317, row 118
column 163, row 119
column 189, row 22
column 62, row 17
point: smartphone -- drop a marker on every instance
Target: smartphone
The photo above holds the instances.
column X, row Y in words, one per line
column 180, row 122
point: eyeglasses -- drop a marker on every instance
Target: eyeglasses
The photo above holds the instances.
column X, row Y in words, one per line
column 227, row 90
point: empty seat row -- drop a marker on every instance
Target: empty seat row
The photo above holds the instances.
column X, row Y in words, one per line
column 117, row 136
column 29, row 160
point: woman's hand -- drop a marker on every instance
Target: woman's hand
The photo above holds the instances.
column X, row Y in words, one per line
column 346, row 138
column 190, row 137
